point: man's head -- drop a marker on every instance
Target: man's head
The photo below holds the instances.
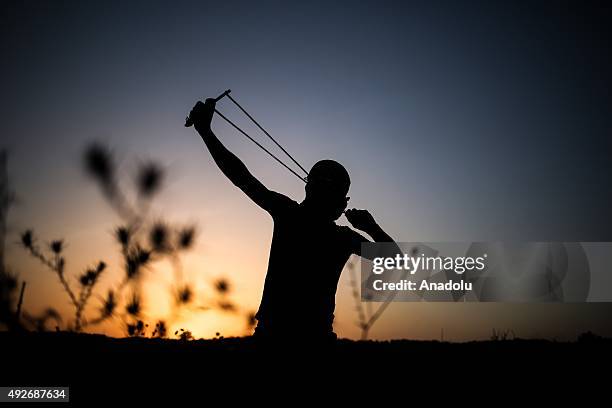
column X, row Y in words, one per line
column 326, row 189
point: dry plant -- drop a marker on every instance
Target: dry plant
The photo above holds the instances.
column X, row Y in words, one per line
column 142, row 243
column 9, row 313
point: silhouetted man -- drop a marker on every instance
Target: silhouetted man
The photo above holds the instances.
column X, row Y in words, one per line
column 308, row 249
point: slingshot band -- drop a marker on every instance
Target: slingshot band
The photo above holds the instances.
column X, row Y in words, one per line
column 189, row 122
column 267, row 134
column 262, row 147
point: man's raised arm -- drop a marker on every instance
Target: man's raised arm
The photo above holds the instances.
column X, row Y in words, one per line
column 233, row 168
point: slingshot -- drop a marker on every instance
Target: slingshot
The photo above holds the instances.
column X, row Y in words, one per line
column 189, row 122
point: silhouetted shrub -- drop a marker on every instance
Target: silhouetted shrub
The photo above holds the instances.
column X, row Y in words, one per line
column 142, row 244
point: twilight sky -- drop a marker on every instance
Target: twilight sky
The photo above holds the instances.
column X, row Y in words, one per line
column 456, row 121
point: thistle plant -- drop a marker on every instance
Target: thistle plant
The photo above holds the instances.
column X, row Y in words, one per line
column 366, row 316
column 142, row 244
column 54, row 260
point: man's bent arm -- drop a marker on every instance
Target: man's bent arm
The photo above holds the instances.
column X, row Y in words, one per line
column 229, row 164
column 378, row 234
column 363, row 220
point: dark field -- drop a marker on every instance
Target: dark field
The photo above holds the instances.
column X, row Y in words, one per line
column 93, row 362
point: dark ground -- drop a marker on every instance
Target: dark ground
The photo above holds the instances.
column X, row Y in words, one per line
column 100, row 367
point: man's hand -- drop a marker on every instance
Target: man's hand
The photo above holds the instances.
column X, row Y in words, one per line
column 202, row 113
column 361, row 219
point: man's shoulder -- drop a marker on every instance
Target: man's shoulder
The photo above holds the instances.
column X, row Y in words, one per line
column 282, row 197
column 281, row 204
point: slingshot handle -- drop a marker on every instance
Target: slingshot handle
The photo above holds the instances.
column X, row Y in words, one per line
column 189, row 122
